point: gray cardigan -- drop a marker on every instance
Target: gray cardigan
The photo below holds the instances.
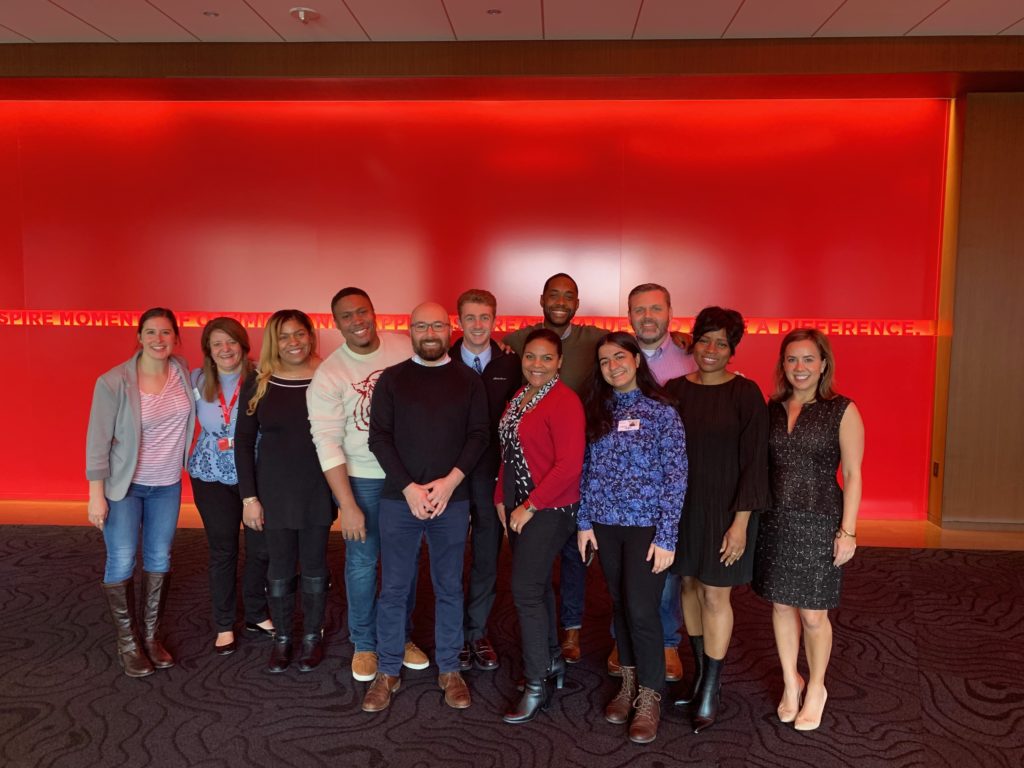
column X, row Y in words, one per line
column 115, row 427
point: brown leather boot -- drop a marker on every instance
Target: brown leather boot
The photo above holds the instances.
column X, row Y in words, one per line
column 121, row 602
column 618, row 709
column 456, row 692
column 154, row 596
column 614, row 667
column 571, row 646
column 644, row 728
column 378, row 695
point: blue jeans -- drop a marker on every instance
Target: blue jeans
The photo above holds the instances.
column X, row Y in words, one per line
column 154, row 509
column 361, row 569
column 402, row 535
column 572, row 585
column 671, row 611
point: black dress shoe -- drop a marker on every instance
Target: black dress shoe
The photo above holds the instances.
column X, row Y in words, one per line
column 257, row 630
column 465, row 658
column 227, row 649
column 484, row 656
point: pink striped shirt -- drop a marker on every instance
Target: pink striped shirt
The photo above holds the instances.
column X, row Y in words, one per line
column 164, row 423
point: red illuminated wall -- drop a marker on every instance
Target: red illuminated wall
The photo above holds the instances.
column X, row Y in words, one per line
column 786, row 210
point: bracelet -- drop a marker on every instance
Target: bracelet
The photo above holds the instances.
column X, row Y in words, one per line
column 529, row 506
column 249, row 500
column 843, row 532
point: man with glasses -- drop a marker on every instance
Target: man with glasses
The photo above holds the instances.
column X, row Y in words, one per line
column 428, row 430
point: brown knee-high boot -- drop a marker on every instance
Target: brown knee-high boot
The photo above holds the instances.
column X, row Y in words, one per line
column 121, row 602
column 154, row 596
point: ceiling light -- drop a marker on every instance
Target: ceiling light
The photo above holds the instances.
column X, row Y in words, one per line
column 211, row 14
column 304, row 15
column 494, row 11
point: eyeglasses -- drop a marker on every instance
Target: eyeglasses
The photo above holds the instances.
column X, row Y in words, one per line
column 437, row 326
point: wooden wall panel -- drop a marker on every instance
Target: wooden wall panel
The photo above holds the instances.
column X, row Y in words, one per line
column 984, row 483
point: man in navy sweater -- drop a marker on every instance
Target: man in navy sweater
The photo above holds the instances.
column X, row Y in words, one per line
column 501, row 374
column 428, row 429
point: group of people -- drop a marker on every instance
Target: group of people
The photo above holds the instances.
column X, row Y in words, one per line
column 643, row 449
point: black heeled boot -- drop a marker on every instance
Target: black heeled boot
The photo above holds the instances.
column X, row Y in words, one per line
column 710, row 695
column 314, row 601
column 536, row 696
column 697, row 646
column 556, row 671
column 281, row 601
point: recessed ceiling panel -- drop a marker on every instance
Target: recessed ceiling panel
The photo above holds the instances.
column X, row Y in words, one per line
column 477, row 20
column 781, row 18
column 877, row 18
column 335, row 21
column 43, row 22
column 219, row 21
column 402, row 19
column 128, row 21
column 590, row 20
column 671, row 19
column 971, row 17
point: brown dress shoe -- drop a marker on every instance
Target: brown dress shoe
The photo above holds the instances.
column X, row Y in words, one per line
column 378, row 695
column 484, row 655
column 644, row 728
column 618, row 709
column 614, row 667
column 456, row 692
column 571, row 646
column 673, row 666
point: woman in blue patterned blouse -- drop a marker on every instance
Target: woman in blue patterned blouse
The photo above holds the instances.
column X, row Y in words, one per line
column 226, row 366
column 631, row 495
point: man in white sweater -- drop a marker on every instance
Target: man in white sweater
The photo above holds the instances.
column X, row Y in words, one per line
column 339, row 414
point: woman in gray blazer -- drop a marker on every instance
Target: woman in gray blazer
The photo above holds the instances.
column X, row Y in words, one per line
column 140, row 430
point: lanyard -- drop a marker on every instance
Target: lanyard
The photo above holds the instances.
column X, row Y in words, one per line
column 225, row 408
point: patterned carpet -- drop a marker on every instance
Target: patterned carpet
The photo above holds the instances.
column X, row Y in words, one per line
column 929, row 648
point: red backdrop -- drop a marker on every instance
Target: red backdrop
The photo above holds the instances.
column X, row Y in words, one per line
column 783, row 209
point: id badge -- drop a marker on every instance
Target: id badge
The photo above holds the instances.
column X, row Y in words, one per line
column 225, row 443
column 629, row 425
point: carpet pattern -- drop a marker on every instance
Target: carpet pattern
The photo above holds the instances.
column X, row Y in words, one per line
column 926, row 671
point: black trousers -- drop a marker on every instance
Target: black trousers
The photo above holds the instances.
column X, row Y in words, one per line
column 220, row 507
column 636, row 599
column 304, row 550
column 486, row 535
column 534, row 550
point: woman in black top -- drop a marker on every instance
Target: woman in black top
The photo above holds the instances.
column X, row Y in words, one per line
column 283, row 489
column 726, row 424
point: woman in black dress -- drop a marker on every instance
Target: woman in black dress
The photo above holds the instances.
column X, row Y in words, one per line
column 726, row 425
column 283, row 490
column 811, row 530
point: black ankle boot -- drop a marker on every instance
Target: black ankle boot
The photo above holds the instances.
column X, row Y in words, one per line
column 697, row 646
column 556, row 671
column 536, row 696
column 710, row 695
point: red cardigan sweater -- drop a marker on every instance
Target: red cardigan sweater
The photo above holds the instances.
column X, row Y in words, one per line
column 553, row 439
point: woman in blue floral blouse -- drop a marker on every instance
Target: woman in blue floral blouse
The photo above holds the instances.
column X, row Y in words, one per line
column 226, row 366
column 631, row 495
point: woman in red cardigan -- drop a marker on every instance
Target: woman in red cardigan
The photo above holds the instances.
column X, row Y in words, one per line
column 542, row 442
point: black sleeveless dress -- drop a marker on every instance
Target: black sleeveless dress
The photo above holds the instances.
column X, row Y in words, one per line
column 793, row 565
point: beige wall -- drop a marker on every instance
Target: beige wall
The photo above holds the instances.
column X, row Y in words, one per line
column 983, row 477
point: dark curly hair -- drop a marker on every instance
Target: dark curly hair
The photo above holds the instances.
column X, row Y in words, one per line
column 718, row 319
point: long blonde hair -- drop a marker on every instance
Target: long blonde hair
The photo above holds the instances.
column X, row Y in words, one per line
column 270, row 356
column 211, row 378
